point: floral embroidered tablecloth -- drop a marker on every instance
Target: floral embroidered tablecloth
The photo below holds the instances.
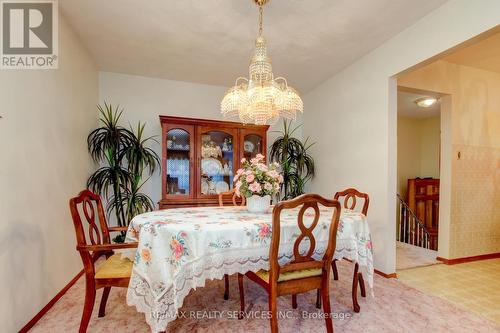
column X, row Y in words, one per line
column 180, row 248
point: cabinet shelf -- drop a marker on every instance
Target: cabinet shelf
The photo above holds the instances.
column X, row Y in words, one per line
column 177, row 150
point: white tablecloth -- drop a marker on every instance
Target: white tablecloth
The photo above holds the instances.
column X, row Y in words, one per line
column 180, row 248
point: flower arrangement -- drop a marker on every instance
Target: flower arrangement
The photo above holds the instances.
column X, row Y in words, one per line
column 256, row 178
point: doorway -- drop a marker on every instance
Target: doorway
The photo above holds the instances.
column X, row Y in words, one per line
column 418, row 177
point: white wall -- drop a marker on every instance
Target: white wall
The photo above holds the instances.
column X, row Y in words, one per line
column 430, row 142
column 144, row 99
column 47, row 115
column 418, row 149
column 408, row 152
column 353, row 114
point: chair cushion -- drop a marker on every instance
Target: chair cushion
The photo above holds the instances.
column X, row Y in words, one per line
column 293, row 275
column 115, row 267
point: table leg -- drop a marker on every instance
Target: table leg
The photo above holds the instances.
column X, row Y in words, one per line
column 318, row 299
column 242, row 295
column 355, row 281
column 362, row 284
column 335, row 271
column 226, row 287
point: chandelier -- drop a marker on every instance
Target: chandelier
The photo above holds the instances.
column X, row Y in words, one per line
column 261, row 99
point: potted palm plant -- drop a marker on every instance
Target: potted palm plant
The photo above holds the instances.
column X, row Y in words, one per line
column 125, row 156
column 297, row 165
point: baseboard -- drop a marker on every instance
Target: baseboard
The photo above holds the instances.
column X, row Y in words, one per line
column 387, row 276
column 49, row 305
column 468, row 259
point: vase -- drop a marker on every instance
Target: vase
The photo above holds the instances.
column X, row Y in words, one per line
column 257, row 204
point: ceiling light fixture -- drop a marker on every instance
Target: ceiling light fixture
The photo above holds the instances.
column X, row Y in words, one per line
column 261, row 99
column 426, row 102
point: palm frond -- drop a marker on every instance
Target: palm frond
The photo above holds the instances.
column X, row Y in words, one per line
column 107, row 177
column 125, row 154
column 296, row 164
column 109, row 137
column 139, row 156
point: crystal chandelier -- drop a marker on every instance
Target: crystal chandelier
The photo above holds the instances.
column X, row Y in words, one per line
column 261, row 99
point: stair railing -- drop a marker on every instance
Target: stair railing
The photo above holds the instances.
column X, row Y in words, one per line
column 410, row 229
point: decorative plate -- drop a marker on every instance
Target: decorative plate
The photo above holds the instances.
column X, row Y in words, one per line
column 210, row 166
column 211, row 151
column 248, row 146
column 221, row 186
column 204, row 186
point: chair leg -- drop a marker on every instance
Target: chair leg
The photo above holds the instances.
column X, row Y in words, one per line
column 362, row 284
column 294, row 301
column 335, row 271
column 273, row 309
column 104, row 299
column 226, row 287
column 355, row 289
column 318, row 299
column 242, row 296
column 325, row 295
column 89, row 304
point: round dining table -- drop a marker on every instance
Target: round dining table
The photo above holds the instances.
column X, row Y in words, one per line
column 179, row 249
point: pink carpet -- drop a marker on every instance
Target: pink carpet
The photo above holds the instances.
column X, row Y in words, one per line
column 395, row 308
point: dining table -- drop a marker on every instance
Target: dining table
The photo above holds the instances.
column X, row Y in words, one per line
column 180, row 248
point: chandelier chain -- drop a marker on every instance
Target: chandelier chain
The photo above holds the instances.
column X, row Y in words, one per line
column 261, row 11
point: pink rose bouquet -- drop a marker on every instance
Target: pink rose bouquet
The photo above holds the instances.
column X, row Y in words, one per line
column 257, row 178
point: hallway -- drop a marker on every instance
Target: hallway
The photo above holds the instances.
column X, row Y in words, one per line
column 410, row 256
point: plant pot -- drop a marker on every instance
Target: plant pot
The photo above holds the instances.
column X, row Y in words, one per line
column 257, row 204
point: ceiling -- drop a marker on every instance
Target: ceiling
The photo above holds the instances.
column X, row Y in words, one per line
column 210, row 41
column 484, row 54
column 408, row 108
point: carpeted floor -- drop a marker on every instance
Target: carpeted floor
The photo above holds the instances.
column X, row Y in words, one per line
column 395, row 308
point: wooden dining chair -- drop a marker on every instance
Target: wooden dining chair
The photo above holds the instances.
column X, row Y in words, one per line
column 237, row 201
column 234, row 200
column 93, row 242
column 303, row 273
column 349, row 198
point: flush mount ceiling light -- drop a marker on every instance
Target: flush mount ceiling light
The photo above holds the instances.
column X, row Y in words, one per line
column 261, row 99
column 426, row 102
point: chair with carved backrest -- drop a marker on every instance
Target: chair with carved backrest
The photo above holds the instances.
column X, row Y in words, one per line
column 114, row 271
column 350, row 198
column 303, row 273
column 234, row 200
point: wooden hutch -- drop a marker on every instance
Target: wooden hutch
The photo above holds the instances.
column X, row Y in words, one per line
column 423, row 200
column 200, row 158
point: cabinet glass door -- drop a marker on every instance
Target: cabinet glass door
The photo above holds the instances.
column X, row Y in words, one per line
column 217, row 161
column 178, row 169
column 253, row 144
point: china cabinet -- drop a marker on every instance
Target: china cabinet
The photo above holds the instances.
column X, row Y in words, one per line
column 200, row 158
column 423, row 200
